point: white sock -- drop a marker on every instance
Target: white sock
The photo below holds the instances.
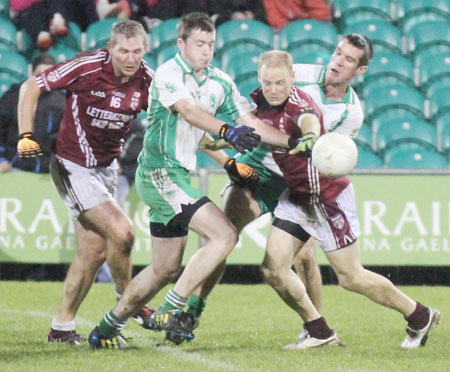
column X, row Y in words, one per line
column 66, row 326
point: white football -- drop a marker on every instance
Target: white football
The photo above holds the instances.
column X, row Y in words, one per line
column 334, row 155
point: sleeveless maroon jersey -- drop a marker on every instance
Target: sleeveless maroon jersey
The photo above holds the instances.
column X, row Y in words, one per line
column 98, row 108
column 306, row 184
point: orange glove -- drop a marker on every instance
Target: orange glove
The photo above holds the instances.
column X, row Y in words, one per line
column 28, row 147
column 242, row 174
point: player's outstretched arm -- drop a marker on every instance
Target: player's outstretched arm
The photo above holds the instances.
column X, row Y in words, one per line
column 268, row 134
column 309, row 124
column 241, row 137
column 27, row 146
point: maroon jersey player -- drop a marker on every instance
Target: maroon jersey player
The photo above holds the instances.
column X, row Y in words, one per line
column 105, row 89
column 321, row 207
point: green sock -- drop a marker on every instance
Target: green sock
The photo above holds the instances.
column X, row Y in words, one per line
column 173, row 301
column 111, row 325
column 196, row 304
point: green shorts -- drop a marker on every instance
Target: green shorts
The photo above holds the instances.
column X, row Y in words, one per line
column 269, row 186
column 165, row 190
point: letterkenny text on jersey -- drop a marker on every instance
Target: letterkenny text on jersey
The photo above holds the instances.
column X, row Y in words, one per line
column 98, row 108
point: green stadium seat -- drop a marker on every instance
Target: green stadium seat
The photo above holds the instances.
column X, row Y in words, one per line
column 151, row 61
column 410, row 157
column 397, row 97
column 4, row 9
column 385, row 36
column 62, row 53
column 434, row 69
column 238, row 31
column 73, row 38
column 426, row 34
column 368, row 159
column 8, row 35
column 442, row 124
column 163, row 35
column 393, row 132
column 390, row 68
column 347, row 12
column 14, row 64
column 307, row 32
column 315, row 58
column 364, row 137
column 246, row 87
column 98, row 33
column 237, row 49
column 428, row 53
column 166, row 53
column 406, row 10
column 243, row 67
column 439, row 99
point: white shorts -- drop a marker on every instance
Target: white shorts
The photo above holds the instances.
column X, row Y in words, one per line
column 333, row 223
column 83, row 188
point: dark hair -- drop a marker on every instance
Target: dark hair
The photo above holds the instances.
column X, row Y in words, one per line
column 361, row 42
column 42, row 59
column 193, row 21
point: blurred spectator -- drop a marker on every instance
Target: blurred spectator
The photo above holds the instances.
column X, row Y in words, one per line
column 153, row 11
column 280, row 13
column 113, row 8
column 224, row 10
column 48, row 117
column 83, row 12
column 42, row 19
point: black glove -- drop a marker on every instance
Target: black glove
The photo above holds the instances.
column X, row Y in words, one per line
column 240, row 137
column 240, row 173
column 28, row 147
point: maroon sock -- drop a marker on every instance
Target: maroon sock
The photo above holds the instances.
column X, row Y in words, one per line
column 319, row 328
column 419, row 317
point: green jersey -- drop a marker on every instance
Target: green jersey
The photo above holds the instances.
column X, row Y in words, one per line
column 170, row 141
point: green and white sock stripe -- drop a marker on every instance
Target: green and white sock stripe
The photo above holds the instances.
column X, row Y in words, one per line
column 175, row 300
column 111, row 325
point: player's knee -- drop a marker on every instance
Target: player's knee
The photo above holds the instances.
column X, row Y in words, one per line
column 92, row 258
column 270, row 275
column 167, row 273
column 226, row 238
column 123, row 238
column 347, row 281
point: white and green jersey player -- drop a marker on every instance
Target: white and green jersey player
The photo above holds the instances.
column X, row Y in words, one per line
column 344, row 116
column 170, row 142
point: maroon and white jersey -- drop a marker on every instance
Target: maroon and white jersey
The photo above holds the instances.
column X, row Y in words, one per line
column 305, row 183
column 98, row 108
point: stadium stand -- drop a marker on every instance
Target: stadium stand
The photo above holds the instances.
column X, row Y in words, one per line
column 412, row 156
column 8, row 34
column 424, row 34
column 434, row 69
column 348, row 12
column 13, row 65
column 393, row 97
column 235, row 50
column 442, row 124
column 164, row 35
column 62, row 52
column 311, row 34
column 385, row 36
column 73, row 38
column 243, row 31
column 243, row 67
column 391, row 133
column 97, row 33
column 364, row 137
column 368, row 159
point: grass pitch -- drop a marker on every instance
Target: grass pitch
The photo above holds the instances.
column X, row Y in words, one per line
column 242, row 329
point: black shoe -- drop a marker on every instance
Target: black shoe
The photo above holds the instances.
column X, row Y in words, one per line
column 71, row 337
column 144, row 318
column 176, row 323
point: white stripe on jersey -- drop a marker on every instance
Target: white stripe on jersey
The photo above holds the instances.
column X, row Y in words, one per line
column 296, row 99
column 314, row 182
column 86, row 149
column 81, row 61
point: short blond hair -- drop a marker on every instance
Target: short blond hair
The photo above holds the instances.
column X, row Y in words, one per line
column 275, row 58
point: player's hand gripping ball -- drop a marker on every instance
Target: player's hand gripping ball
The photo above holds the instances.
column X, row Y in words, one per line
column 334, row 155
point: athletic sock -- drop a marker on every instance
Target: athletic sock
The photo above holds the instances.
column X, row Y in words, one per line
column 173, row 301
column 111, row 325
column 419, row 317
column 318, row 328
column 66, row 326
column 195, row 304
